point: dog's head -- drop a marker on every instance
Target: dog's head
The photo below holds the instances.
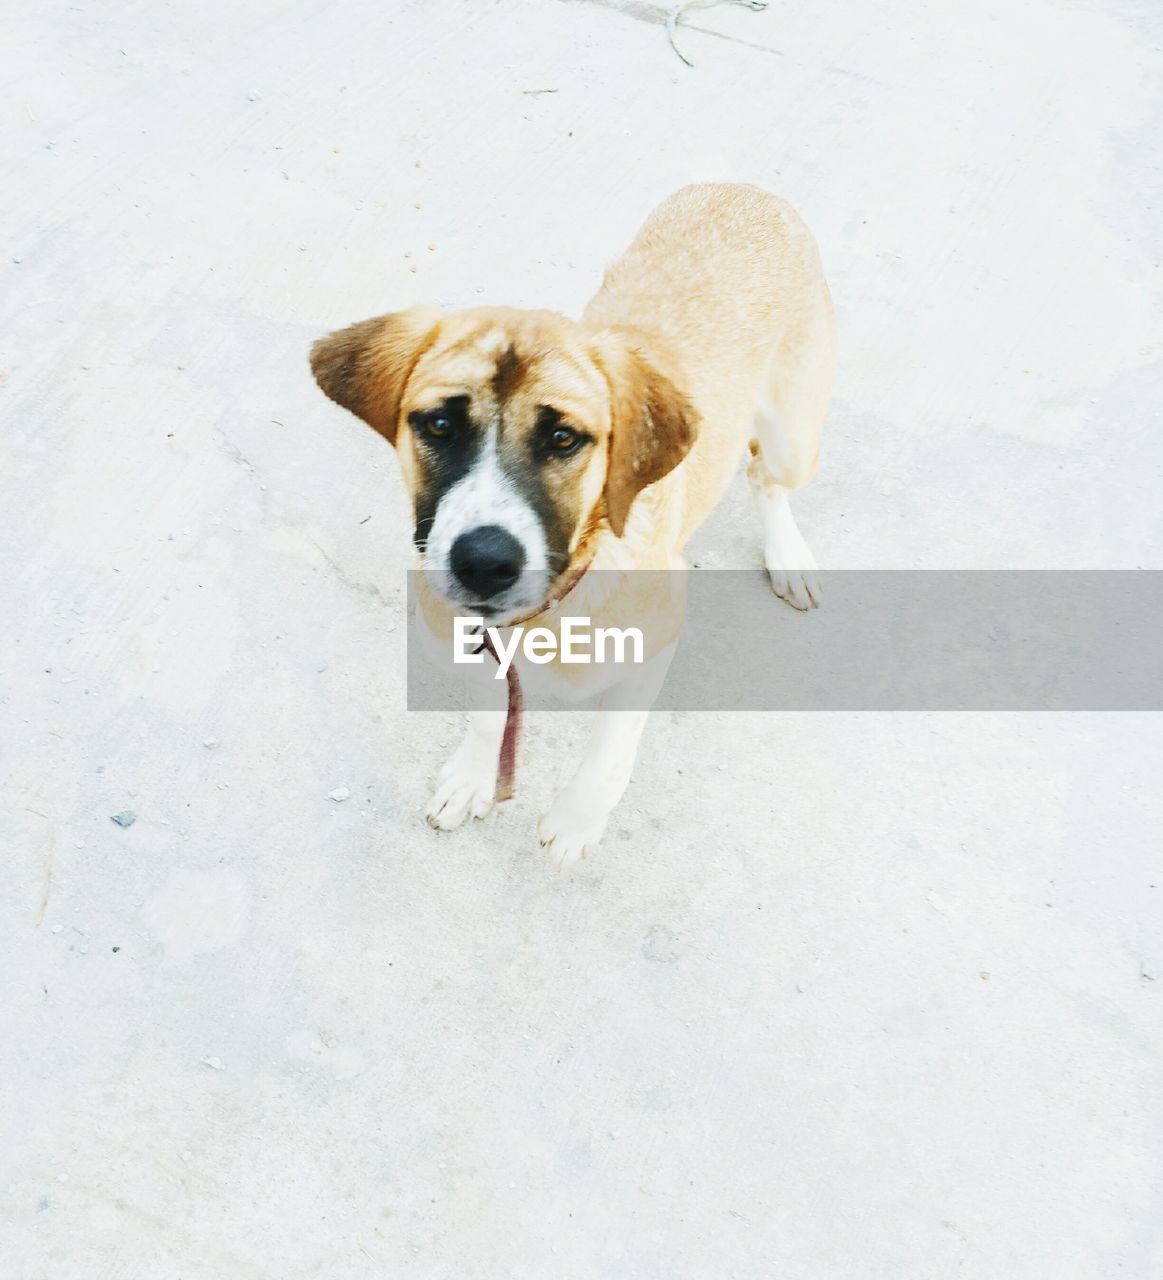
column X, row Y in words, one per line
column 520, row 434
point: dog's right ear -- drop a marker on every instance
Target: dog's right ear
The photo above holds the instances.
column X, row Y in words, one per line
column 653, row 423
column 364, row 367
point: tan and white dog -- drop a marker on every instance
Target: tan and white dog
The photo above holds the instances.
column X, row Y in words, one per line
column 540, row 450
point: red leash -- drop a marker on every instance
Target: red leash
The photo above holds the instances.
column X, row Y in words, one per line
column 507, row 763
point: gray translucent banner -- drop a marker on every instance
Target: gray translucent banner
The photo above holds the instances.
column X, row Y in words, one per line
column 936, row 640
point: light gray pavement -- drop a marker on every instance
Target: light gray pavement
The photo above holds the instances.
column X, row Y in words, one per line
column 842, row 996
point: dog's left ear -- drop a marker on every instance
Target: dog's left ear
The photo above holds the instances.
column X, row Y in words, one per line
column 654, row 425
column 364, row 367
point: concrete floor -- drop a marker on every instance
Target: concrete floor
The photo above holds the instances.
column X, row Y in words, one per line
column 842, row 996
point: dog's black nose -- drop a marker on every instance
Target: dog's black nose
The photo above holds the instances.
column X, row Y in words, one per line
column 486, row 560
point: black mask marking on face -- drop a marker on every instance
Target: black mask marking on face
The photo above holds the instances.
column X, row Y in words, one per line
column 446, row 447
column 527, row 473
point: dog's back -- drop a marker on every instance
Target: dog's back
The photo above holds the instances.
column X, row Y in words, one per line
column 730, row 278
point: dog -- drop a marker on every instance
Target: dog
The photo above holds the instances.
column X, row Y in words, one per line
column 539, row 450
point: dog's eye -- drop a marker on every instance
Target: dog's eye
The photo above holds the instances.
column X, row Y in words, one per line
column 441, row 424
column 564, row 440
column 553, row 438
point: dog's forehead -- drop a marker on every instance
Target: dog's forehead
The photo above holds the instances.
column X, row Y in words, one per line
column 512, row 361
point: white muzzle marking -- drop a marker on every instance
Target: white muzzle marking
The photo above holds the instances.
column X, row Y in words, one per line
column 487, row 496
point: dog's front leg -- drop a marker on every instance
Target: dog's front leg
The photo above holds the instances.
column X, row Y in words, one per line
column 577, row 818
column 468, row 782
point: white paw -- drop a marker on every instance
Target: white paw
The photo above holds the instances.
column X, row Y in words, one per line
column 569, row 831
column 466, row 786
column 799, row 587
column 791, row 567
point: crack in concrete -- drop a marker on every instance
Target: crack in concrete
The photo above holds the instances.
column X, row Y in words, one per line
column 357, row 585
column 656, row 16
column 234, row 451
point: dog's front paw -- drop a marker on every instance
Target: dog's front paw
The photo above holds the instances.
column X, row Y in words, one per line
column 570, row 830
column 466, row 786
column 799, row 587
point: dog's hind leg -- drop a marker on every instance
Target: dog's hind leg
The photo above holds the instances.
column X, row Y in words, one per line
column 789, row 421
column 791, row 567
